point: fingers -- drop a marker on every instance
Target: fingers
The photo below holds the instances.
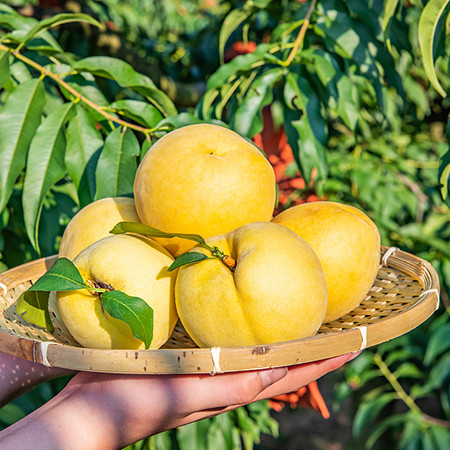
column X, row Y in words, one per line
column 244, row 391
column 147, row 404
column 303, row 374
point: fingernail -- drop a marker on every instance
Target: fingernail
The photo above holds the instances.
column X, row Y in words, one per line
column 271, row 376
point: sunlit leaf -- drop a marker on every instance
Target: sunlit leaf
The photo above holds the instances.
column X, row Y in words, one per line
column 390, row 6
column 230, row 24
column 19, row 119
column 117, row 164
column 126, row 76
column 240, row 63
column 147, row 230
column 56, row 20
column 305, row 127
column 33, row 307
column 248, row 116
column 62, row 276
column 83, row 147
column 141, row 112
column 45, row 166
column 431, row 26
column 187, row 258
column 4, row 67
column 444, row 170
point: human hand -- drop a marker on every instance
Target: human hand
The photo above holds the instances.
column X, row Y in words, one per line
column 107, row 411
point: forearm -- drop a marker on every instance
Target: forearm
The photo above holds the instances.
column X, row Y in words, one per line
column 18, row 376
column 106, row 412
column 66, row 422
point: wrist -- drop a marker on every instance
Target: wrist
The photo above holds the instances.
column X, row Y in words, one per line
column 70, row 420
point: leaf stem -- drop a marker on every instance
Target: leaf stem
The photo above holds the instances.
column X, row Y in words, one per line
column 301, row 34
column 393, row 381
column 78, row 96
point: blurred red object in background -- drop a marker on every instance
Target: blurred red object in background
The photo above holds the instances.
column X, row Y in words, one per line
column 307, row 397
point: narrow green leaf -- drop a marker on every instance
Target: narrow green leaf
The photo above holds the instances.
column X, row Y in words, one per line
column 411, row 433
column 83, row 147
column 438, row 375
column 230, row 24
column 347, row 108
column 62, row 276
column 188, row 258
column 381, row 427
column 4, row 67
column 117, row 164
column 438, row 344
column 325, row 65
column 33, row 307
column 126, row 76
column 444, row 170
column 143, row 113
column 56, row 20
column 306, row 129
column 134, row 311
column 369, row 410
column 353, row 41
column 390, row 6
column 337, row 83
column 19, row 119
column 45, row 166
column 86, row 85
column 147, row 230
column 145, row 147
column 182, row 120
column 248, row 117
column 431, row 26
column 238, row 64
column 12, row 20
column 407, row 369
column 436, row 437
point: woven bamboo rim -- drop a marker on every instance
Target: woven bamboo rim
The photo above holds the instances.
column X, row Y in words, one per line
column 404, row 294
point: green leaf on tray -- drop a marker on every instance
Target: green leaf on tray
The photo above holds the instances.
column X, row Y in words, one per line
column 133, row 311
column 62, row 276
column 140, row 228
column 187, row 258
column 33, row 307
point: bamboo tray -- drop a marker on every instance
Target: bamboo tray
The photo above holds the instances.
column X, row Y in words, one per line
column 404, row 294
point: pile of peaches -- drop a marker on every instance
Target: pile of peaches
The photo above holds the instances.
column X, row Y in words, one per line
column 310, row 264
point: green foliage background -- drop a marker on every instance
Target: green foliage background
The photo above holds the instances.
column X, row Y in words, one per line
column 362, row 96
